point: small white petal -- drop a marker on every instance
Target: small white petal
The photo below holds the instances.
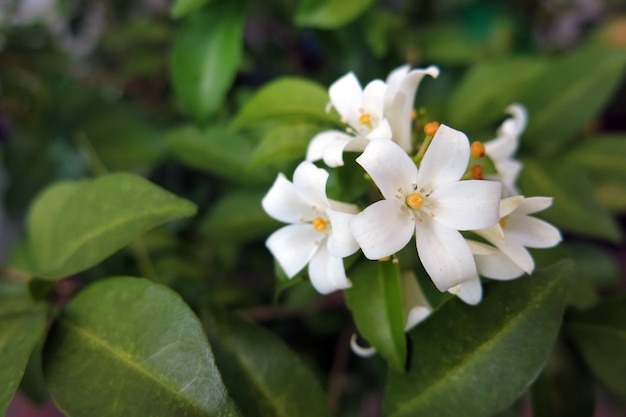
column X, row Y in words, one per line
column 390, row 167
column 516, row 253
column 533, row 205
column 508, row 171
column 309, row 182
column 383, row 130
column 466, row 205
column 346, row 95
column 333, row 154
column 293, row 246
column 444, row 254
column 416, row 307
column 510, row 204
column 327, row 273
column 470, row 291
column 341, row 243
column 373, row 100
column 416, row 315
column 479, row 248
column 531, row 232
column 382, row 229
column 283, row 203
column 446, row 158
column 344, row 207
column 318, row 144
column 515, row 125
column 501, row 148
column 497, row 266
column 394, row 83
column 360, row 350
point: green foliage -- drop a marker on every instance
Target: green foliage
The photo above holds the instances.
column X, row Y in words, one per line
column 181, row 8
column 263, row 375
column 73, row 226
column 329, row 14
column 474, row 361
column 126, row 346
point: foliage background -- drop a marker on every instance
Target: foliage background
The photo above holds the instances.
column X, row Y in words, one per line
column 164, row 91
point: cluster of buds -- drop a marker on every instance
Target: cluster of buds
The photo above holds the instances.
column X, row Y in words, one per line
column 467, row 222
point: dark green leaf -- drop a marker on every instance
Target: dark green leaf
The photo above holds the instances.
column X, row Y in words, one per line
column 603, row 154
column 206, row 57
column 217, row 150
column 329, row 14
column 129, row 347
column 263, row 375
column 575, row 208
column 286, row 99
column 600, row 336
column 21, row 326
column 375, row 301
column 488, row 88
column 569, row 94
column 474, row 361
column 181, row 8
column 284, row 143
column 75, row 225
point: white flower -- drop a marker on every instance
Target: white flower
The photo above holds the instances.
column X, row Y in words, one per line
column 432, row 203
column 517, row 231
column 402, row 84
column 416, row 306
column 318, row 233
column 502, row 149
column 362, row 110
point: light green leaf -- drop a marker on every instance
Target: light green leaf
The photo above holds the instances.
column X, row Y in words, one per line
column 129, row 347
column 474, row 361
column 569, row 94
column 264, row 376
column 329, row 14
column 238, row 217
column 21, row 326
column 488, row 88
column 206, row 56
column 284, row 143
column 181, row 8
column 603, row 154
column 375, row 301
column 73, row 226
column 575, row 208
column 217, row 150
column 600, row 336
column 286, row 99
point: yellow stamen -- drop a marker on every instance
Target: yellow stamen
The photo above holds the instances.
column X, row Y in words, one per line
column 477, row 149
column 477, row 172
column 385, row 259
column 431, row 128
column 503, row 221
column 365, row 119
column 319, row 224
column 414, row 201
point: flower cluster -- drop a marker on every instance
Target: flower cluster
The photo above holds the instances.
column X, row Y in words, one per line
column 467, row 222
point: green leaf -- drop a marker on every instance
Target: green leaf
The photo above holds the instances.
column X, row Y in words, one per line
column 206, row 56
column 22, row 324
column 474, row 361
column 284, row 143
column 73, row 226
column 488, row 88
column 603, row 154
column 238, row 217
column 329, row 14
column 569, row 94
column 600, row 336
column 128, row 347
column 264, row 376
column 575, row 208
column 181, row 8
column 375, row 301
column 286, row 99
column 218, row 151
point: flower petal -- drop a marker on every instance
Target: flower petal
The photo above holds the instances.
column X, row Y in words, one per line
column 390, row 167
column 346, row 95
column 318, row 144
column 383, row 130
column 444, row 254
column 531, row 232
column 501, row 148
column 470, row 291
column 509, row 246
column 327, row 273
column 510, row 204
column 309, row 182
column 382, row 229
column 445, row 160
column 497, row 266
column 283, row 203
column 373, row 100
column 416, row 306
column 533, row 205
column 293, row 246
column 333, row 154
column 341, row 243
column 465, row 205
column 515, row 125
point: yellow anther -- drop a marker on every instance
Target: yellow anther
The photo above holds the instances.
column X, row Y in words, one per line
column 431, row 128
column 503, row 221
column 414, row 201
column 477, row 172
column 413, row 114
column 319, row 224
column 477, row 149
column 365, row 119
column 385, row 258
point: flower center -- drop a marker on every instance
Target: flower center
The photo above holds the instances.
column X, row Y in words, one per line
column 319, row 224
column 415, row 200
column 365, row 119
